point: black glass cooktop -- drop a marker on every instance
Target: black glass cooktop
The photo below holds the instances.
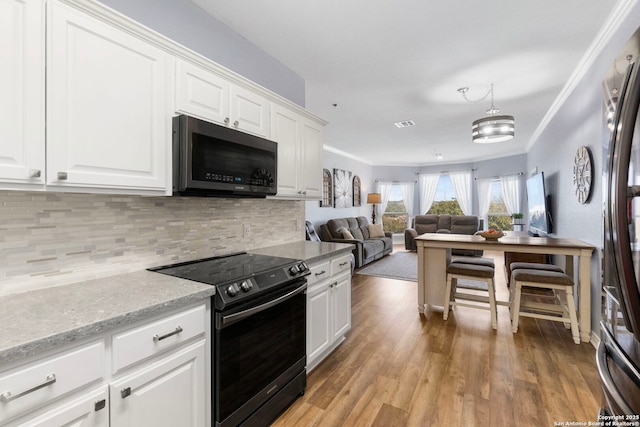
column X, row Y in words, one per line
column 224, row 269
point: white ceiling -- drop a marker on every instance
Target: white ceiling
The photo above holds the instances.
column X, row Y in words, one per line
column 383, row 62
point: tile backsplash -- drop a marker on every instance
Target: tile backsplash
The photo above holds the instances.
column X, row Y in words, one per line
column 48, row 239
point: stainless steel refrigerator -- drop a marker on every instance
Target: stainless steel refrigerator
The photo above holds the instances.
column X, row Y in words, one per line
column 618, row 354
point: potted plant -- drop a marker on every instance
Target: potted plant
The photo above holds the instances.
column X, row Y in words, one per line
column 517, row 219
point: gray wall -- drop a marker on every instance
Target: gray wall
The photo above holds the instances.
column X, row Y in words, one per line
column 317, row 215
column 578, row 122
column 189, row 25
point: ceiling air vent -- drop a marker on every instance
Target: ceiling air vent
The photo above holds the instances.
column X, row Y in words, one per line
column 405, row 124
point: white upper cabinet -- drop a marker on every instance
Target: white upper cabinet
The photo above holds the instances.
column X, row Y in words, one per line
column 299, row 154
column 22, row 93
column 204, row 94
column 107, row 121
column 311, row 174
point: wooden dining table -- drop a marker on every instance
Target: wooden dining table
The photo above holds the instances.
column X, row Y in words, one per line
column 434, row 255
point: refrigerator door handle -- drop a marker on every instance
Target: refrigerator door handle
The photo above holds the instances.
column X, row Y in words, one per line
column 607, row 381
column 621, row 142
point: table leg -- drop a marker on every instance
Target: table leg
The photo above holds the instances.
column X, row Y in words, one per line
column 585, row 296
column 421, row 279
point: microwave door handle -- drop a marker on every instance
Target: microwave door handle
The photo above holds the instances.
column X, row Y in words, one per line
column 229, row 319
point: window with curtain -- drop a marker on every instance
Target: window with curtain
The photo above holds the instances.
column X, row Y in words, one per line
column 498, row 216
column 445, row 200
column 399, row 206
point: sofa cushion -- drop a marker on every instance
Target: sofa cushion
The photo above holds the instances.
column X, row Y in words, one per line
column 464, row 224
column 426, row 224
column 375, row 230
column 444, row 222
column 346, row 234
column 372, row 248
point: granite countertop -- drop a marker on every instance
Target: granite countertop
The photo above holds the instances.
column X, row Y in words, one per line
column 37, row 321
column 310, row 252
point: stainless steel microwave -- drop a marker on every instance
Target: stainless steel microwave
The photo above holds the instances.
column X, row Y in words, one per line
column 214, row 160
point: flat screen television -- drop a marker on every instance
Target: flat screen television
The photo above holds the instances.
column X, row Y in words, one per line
column 538, row 214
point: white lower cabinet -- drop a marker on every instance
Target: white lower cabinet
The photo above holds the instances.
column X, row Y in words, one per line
column 88, row 410
column 168, row 393
column 166, row 384
column 328, row 308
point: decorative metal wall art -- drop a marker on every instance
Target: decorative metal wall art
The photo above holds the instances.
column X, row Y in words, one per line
column 342, row 190
column 357, row 195
column 327, row 189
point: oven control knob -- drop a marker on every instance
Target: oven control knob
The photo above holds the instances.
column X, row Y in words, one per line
column 294, row 270
column 302, row 267
column 246, row 285
column 232, row 290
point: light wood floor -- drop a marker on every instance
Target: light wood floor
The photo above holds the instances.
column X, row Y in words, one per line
column 399, row 368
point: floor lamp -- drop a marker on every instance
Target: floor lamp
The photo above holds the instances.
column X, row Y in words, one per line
column 374, row 199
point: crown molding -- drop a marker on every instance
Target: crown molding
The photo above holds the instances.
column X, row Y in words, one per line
column 604, row 36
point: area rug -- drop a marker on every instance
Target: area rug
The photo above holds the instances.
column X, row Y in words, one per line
column 404, row 266
column 397, row 265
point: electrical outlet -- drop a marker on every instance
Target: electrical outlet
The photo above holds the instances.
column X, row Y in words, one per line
column 246, row 230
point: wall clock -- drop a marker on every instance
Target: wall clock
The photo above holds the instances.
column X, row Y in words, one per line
column 582, row 174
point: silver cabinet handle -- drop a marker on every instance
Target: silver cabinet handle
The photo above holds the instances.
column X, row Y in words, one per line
column 226, row 120
column 320, row 273
column 125, row 392
column 236, row 123
column 7, row 396
column 35, row 173
column 157, row 338
column 62, row 176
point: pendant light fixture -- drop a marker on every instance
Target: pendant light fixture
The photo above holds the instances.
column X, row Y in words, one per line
column 494, row 127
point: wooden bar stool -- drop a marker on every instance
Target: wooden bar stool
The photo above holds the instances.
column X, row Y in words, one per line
column 563, row 310
column 475, row 272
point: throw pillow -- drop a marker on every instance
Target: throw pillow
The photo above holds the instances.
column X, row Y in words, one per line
column 375, row 230
column 346, row 234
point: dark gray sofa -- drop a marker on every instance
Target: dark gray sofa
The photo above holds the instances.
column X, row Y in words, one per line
column 431, row 223
column 367, row 249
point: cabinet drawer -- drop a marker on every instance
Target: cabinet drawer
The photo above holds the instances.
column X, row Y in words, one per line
column 37, row 383
column 318, row 272
column 340, row 264
column 147, row 340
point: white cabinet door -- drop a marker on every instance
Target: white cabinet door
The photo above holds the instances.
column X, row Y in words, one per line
column 299, row 154
column 201, row 93
column 22, row 92
column 107, row 121
column 249, row 112
column 341, row 306
column 319, row 335
column 204, row 94
column 286, row 132
column 90, row 410
column 169, row 393
column 311, row 170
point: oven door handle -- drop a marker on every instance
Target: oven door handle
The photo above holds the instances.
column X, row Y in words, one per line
column 236, row 317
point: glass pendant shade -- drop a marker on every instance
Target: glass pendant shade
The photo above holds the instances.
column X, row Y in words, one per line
column 493, row 129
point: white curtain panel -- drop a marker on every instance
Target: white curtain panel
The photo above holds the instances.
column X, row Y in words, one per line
column 428, row 188
column 384, row 188
column 462, row 187
column 511, row 192
column 408, row 194
column 484, row 197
